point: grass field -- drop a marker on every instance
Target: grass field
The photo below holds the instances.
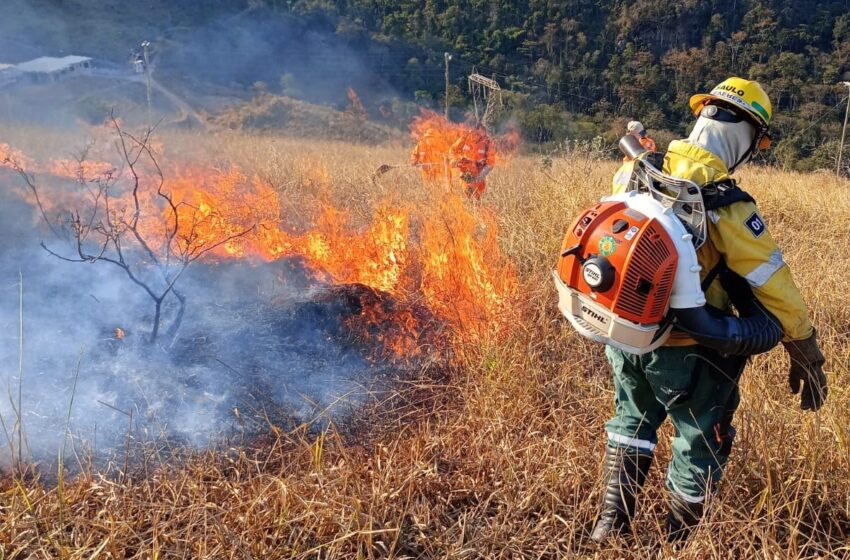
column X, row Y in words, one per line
column 500, row 455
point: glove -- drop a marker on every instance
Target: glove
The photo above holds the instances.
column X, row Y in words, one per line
column 468, row 177
column 807, row 368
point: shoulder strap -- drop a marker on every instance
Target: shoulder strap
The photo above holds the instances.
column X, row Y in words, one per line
column 737, row 288
column 656, row 159
column 723, row 193
column 713, row 274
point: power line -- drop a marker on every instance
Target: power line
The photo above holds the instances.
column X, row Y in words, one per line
column 817, row 120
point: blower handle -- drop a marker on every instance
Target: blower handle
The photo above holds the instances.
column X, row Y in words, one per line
column 630, row 146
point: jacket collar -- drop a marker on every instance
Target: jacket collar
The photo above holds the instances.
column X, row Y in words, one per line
column 689, row 161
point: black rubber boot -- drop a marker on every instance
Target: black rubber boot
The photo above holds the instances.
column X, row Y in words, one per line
column 682, row 517
column 625, row 474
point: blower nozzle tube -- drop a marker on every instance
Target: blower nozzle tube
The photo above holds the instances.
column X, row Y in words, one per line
column 630, row 146
column 755, row 333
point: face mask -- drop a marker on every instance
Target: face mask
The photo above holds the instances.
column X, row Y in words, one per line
column 728, row 141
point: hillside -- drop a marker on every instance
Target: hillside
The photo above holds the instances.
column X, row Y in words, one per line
column 298, row 119
column 572, row 70
column 593, row 61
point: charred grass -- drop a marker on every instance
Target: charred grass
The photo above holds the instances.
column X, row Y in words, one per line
column 498, row 455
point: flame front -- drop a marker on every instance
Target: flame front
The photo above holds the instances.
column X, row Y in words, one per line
column 438, row 263
column 434, row 136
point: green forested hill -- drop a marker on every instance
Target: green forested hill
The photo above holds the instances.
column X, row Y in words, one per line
column 624, row 58
column 573, row 68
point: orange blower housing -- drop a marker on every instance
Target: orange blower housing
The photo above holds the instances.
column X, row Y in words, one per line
column 629, row 271
column 615, row 275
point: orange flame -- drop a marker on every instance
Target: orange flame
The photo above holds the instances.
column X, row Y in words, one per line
column 436, row 149
column 355, row 106
column 434, row 136
column 11, row 158
column 465, row 276
column 441, row 262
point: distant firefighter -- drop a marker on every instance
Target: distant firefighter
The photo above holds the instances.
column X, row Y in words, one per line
column 473, row 155
column 636, row 129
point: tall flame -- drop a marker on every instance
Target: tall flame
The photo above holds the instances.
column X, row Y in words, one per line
column 12, row 158
column 434, row 136
column 433, row 262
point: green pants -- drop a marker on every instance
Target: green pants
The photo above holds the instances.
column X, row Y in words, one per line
column 697, row 388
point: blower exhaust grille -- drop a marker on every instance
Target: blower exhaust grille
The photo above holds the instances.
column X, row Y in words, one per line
column 648, row 279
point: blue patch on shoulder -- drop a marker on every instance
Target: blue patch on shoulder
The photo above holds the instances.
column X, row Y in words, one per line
column 755, row 224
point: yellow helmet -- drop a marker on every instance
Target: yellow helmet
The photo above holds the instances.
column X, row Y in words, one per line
column 746, row 95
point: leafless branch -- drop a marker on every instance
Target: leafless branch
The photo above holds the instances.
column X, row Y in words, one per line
column 104, row 232
column 218, row 244
column 29, row 180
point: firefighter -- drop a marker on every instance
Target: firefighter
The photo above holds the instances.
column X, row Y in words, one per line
column 636, row 129
column 473, row 155
column 697, row 388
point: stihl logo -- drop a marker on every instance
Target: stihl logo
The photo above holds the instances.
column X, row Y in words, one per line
column 593, row 314
column 592, row 275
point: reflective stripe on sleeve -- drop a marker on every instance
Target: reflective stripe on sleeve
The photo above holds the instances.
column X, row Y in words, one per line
column 759, row 276
column 631, row 442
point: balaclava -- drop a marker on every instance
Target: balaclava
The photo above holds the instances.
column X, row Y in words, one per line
column 728, row 141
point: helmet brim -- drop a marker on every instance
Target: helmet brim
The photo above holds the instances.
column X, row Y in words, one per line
column 697, row 102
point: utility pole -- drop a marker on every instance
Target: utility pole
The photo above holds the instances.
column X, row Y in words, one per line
column 448, row 57
column 145, row 46
column 843, row 131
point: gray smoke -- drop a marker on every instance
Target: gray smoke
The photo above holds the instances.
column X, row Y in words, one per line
column 257, row 347
column 260, row 343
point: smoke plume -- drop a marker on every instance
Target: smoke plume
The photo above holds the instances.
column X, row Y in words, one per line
column 258, row 347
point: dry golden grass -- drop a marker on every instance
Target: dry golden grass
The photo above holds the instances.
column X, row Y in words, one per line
column 500, row 457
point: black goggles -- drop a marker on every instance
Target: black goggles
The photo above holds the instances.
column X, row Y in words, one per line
column 722, row 112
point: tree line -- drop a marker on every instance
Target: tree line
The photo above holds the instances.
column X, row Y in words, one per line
column 577, row 68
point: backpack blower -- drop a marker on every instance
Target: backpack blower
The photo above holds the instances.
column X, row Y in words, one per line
column 628, row 272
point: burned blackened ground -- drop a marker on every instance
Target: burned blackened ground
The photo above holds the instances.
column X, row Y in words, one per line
column 260, row 345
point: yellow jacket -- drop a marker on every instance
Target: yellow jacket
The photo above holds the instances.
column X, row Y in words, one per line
column 737, row 233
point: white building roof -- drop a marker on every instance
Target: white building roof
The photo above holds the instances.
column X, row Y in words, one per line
column 49, row 64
